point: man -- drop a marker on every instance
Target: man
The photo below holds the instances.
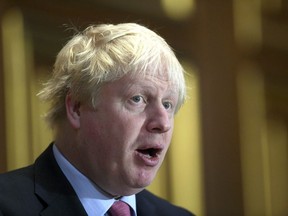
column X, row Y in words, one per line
column 114, row 92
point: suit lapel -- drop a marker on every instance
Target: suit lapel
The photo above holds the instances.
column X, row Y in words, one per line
column 52, row 187
column 144, row 206
column 64, row 206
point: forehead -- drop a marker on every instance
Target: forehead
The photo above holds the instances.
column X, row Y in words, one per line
column 149, row 79
column 147, row 82
column 152, row 75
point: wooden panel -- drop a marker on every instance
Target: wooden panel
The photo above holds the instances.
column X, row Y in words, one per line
column 3, row 163
column 216, row 56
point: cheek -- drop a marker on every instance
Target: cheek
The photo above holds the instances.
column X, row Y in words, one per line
column 90, row 129
column 169, row 134
column 91, row 134
column 125, row 124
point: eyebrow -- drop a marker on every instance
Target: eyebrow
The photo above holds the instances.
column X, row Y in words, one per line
column 149, row 86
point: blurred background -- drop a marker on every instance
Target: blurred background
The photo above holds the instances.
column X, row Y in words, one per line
column 229, row 152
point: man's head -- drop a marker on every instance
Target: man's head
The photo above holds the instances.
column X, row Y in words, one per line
column 104, row 53
column 117, row 87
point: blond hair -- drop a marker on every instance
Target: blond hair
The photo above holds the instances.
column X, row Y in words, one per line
column 105, row 53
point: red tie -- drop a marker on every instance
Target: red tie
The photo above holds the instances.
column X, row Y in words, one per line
column 119, row 208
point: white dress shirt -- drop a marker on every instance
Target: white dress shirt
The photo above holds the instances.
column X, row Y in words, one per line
column 94, row 202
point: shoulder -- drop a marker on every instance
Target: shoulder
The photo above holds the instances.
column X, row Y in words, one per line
column 146, row 199
column 16, row 180
column 24, row 178
column 15, row 185
column 18, row 187
column 17, row 192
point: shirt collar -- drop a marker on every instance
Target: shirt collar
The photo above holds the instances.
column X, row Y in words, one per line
column 93, row 201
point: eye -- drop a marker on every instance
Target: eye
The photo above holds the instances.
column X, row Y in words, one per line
column 137, row 99
column 167, row 105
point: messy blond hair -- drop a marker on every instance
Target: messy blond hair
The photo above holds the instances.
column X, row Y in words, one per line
column 105, row 53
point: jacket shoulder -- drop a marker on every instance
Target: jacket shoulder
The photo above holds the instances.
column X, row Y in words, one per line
column 16, row 180
column 17, row 192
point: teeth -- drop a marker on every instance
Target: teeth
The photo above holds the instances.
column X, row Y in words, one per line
column 147, row 156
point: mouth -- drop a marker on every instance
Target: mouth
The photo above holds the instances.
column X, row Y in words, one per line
column 150, row 156
column 150, row 152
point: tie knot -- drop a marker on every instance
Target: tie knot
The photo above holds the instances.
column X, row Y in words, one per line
column 119, row 208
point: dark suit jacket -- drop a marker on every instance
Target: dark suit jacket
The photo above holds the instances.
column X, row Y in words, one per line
column 42, row 189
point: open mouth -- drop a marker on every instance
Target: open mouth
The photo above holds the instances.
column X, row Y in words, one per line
column 150, row 152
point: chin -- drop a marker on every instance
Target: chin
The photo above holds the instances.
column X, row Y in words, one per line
column 128, row 191
column 143, row 182
column 135, row 187
column 133, row 191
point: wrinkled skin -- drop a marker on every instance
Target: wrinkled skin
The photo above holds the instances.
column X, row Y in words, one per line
column 121, row 143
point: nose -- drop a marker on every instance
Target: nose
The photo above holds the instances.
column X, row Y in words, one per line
column 159, row 120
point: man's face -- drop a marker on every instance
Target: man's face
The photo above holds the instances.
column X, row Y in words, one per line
column 123, row 141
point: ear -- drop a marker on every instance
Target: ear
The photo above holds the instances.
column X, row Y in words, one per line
column 72, row 111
